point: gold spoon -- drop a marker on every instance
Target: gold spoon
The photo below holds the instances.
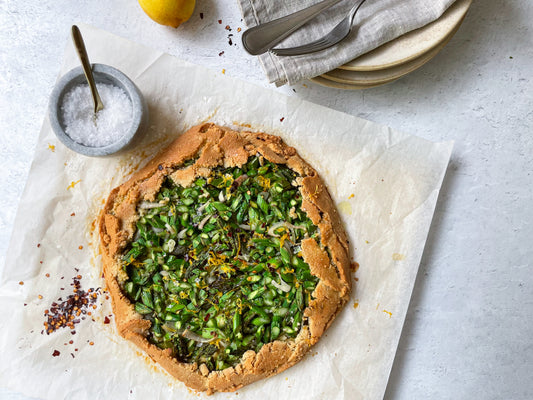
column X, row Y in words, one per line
column 86, row 65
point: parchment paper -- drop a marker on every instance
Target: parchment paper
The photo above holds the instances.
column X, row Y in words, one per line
column 385, row 184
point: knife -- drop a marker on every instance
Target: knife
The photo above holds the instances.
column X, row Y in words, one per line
column 261, row 38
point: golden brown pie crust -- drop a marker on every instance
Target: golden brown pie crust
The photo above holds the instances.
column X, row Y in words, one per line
column 214, row 146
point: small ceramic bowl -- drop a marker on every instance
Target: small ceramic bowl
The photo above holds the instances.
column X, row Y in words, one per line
column 102, row 74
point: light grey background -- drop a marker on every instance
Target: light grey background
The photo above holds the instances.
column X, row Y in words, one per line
column 469, row 330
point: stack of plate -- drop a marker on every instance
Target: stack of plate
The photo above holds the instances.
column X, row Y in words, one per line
column 400, row 56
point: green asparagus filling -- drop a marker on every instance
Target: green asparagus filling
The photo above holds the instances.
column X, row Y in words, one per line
column 217, row 267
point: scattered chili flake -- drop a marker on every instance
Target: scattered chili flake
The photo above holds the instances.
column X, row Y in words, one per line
column 223, row 71
column 91, row 343
column 51, row 147
column 73, row 214
column 106, row 320
column 63, row 313
column 71, row 341
column 21, row 283
column 220, row 53
column 220, row 21
column 281, row 119
column 80, row 247
column 56, row 353
column 38, row 244
column 239, row 29
column 228, row 28
column 39, row 297
column 201, row 15
column 40, row 262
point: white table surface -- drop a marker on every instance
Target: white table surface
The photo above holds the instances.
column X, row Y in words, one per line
column 469, row 329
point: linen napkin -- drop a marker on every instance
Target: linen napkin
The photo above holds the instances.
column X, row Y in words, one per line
column 377, row 22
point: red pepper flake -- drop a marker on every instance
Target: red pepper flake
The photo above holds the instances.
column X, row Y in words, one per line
column 220, row 54
column 56, row 353
column 239, row 29
column 281, row 119
column 220, row 21
column 91, row 343
column 38, row 244
column 21, row 283
column 40, row 297
column 80, row 247
column 228, row 28
column 40, row 262
column 73, row 214
column 63, row 313
column 201, row 15
column 106, row 320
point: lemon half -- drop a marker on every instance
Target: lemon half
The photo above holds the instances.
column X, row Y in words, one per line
column 168, row 12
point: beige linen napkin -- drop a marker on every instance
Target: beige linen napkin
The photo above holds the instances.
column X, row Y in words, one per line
column 377, row 22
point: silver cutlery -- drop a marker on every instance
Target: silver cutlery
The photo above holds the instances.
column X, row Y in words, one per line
column 338, row 33
column 263, row 37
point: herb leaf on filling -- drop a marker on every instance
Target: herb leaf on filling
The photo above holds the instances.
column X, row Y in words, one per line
column 217, row 267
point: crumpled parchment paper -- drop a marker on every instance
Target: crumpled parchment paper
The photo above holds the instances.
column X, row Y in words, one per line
column 385, row 184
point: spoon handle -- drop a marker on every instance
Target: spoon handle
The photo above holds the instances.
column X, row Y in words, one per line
column 86, row 65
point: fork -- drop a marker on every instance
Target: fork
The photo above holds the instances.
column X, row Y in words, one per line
column 338, row 33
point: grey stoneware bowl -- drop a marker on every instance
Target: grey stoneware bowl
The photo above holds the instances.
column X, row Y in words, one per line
column 102, row 74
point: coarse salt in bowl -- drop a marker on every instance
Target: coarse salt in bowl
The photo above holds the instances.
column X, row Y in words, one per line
column 112, row 129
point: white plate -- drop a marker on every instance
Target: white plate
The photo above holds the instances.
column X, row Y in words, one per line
column 413, row 44
column 349, row 79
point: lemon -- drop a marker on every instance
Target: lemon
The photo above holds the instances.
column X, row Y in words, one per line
column 168, row 12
